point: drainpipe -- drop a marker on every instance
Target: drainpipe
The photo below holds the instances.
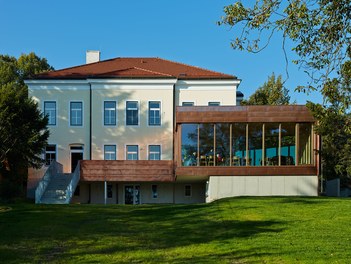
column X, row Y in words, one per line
column 105, row 192
column 173, row 147
column 90, row 124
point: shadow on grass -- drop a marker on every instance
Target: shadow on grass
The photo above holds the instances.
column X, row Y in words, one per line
column 304, row 200
column 64, row 232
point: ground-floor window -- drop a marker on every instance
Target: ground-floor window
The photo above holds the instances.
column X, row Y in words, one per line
column 187, row 190
column 77, row 191
column 132, row 194
column 132, row 152
column 50, row 154
column 109, row 152
column 109, row 191
column 154, row 191
column 154, row 152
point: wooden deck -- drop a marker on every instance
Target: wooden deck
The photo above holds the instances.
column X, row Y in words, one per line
column 127, row 170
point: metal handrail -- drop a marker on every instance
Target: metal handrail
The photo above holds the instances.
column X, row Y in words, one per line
column 73, row 183
column 52, row 170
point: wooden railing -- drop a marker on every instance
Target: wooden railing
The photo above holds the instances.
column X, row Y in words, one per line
column 127, row 170
column 247, row 170
column 52, row 170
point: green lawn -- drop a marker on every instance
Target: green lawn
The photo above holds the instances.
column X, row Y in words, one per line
column 238, row 230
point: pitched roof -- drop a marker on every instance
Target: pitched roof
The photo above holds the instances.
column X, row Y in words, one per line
column 134, row 68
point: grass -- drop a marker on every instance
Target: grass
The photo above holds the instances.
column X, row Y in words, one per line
column 236, row 230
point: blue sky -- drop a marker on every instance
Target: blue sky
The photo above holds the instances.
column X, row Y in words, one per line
column 182, row 30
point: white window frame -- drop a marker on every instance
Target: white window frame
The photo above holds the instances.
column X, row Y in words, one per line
column 188, row 102
column 112, row 144
column 126, row 110
column 70, row 110
column 51, row 152
column 51, row 101
column 126, row 151
column 148, row 150
column 154, row 109
column 191, row 190
column 103, row 113
column 216, row 102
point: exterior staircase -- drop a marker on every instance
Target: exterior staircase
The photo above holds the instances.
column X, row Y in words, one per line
column 57, row 187
column 55, row 192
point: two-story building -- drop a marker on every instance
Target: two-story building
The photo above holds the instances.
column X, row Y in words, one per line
column 149, row 130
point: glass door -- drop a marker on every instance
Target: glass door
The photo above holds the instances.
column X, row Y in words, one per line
column 132, row 194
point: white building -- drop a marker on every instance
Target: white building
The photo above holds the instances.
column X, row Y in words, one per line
column 149, row 130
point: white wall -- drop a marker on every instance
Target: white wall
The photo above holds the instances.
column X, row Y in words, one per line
column 141, row 135
column 230, row 186
column 202, row 92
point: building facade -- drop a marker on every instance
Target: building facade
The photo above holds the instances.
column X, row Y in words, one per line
column 148, row 130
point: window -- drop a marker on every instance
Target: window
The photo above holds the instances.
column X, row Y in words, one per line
column 154, row 113
column 154, row 191
column 110, row 152
column 77, row 191
column 132, row 113
column 214, row 103
column 190, row 144
column 109, row 113
column 187, row 190
column 50, row 112
column 154, row 152
column 188, row 104
column 76, row 113
column 109, row 190
column 50, row 154
column 132, row 152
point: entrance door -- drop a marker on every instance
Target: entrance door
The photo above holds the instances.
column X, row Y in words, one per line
column 76, row 155
column 132, row 194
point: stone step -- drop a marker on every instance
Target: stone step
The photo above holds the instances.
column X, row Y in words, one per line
column 55, row 192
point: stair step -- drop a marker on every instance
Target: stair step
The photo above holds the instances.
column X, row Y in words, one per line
column 55, row 192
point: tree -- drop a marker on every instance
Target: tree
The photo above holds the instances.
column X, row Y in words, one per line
column 23, row 128
column 334, row 125
column 319, row 29
column 271, row 93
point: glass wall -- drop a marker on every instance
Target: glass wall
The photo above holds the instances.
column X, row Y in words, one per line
column 242, row 144
column 271, row 144
column 206, row 144
column 239, row 144
column 288, row 144
column 222, row 144
column 255, row 144
column 189, row 144
column 305, row 139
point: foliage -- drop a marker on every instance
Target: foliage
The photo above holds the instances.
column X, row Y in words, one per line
column 271, row 93
column 23, row 131
column 236, row 230
column 334, row 124
column 319, row 29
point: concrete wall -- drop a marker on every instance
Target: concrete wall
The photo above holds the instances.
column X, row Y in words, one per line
column 168, row 193
column 229, row 186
